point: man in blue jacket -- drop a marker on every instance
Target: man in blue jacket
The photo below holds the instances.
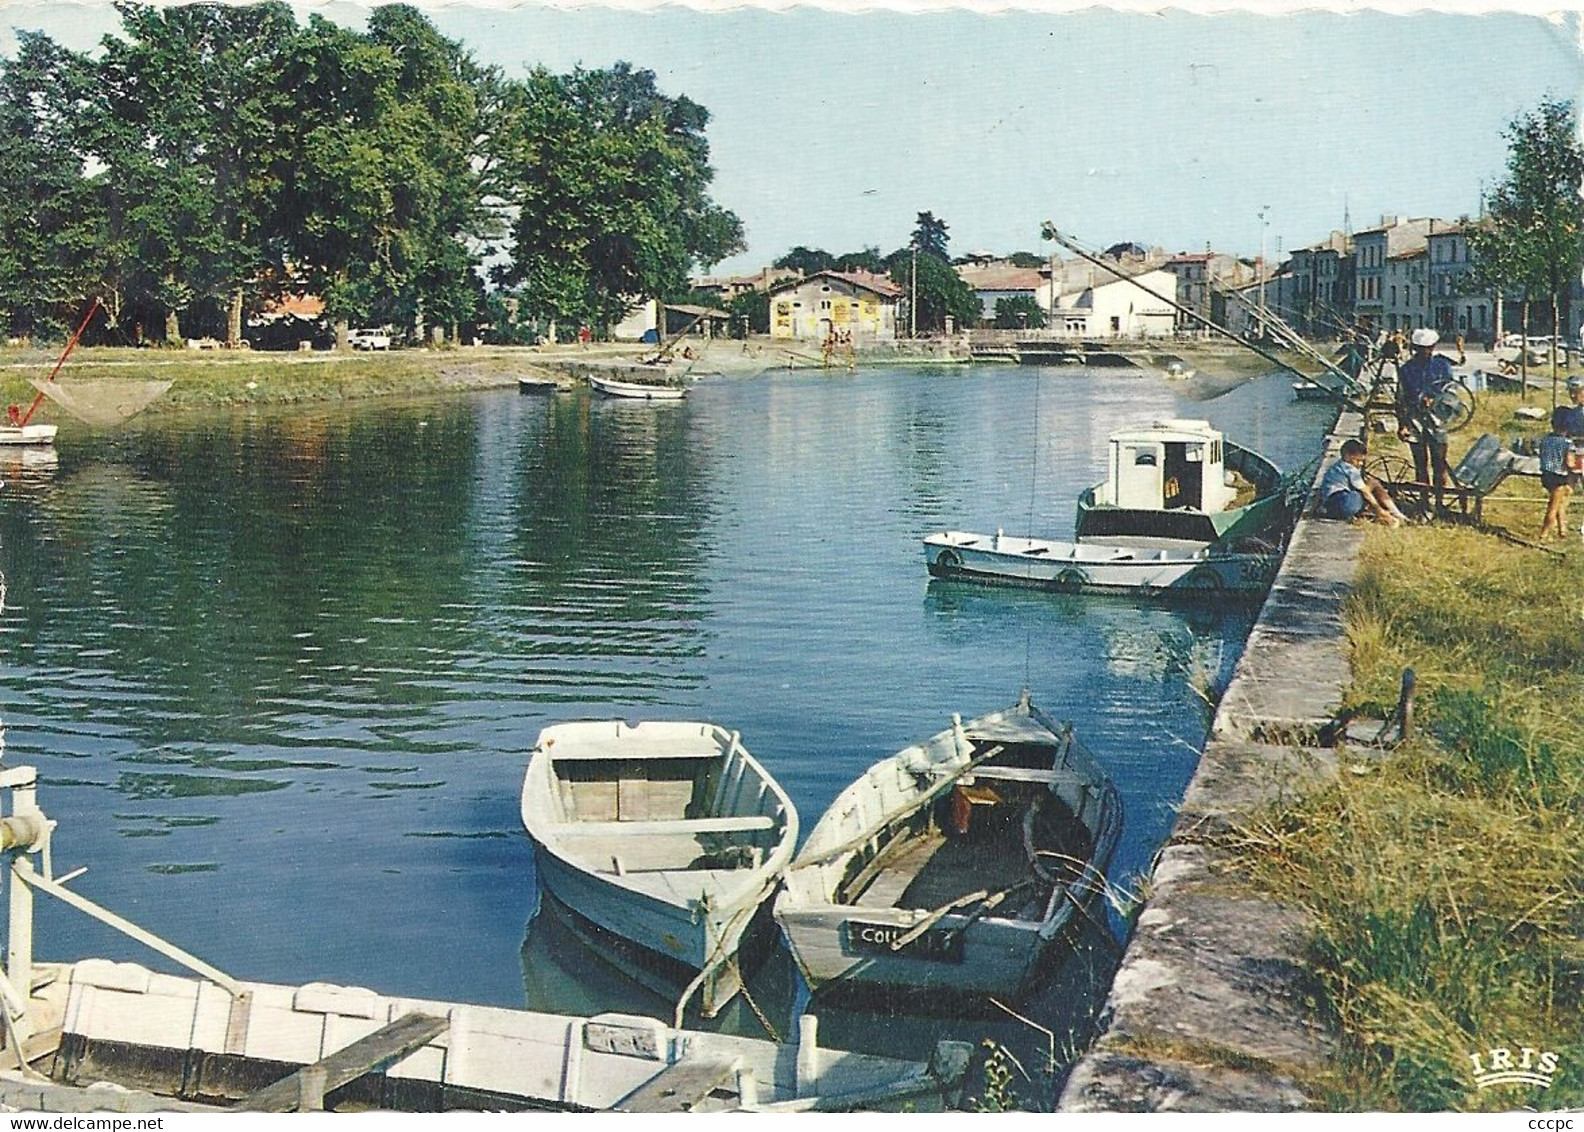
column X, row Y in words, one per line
column 1420, row 383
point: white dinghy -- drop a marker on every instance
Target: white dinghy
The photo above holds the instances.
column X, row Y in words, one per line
column 956, row 864
column 635, row 390
column 668, row 834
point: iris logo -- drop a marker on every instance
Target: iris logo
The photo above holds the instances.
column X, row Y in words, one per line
column 1498, row 1067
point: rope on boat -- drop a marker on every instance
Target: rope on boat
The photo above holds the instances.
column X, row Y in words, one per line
column 759, row 1014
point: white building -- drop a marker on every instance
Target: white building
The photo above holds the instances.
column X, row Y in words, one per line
column 1095, row 302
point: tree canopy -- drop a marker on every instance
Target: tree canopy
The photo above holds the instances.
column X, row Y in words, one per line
column 209, row 157
column 1531, row 240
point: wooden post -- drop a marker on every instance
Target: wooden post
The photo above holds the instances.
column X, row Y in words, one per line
column 808, row 1055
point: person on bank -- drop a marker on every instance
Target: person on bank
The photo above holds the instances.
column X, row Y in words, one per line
column 1421, row 381
column 1346, row 492
column 1555, row 475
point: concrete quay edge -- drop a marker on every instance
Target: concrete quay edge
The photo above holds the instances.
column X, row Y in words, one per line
column 1211, row 1008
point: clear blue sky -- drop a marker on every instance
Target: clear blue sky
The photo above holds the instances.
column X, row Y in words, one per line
column 835, row 129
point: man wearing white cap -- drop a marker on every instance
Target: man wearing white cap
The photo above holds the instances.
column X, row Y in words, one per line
column 1420, row 381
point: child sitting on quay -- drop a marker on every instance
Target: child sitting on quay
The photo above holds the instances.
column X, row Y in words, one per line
column 1346, row 492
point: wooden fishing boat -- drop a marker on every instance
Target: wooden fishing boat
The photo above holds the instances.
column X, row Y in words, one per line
column 635, row 390
column 956, row 864
column 526, row 384
column 1182, row 511
column 668, row 834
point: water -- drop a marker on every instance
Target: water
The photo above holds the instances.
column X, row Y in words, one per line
column 280, row 671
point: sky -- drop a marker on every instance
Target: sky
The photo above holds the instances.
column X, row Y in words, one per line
column 834, row 129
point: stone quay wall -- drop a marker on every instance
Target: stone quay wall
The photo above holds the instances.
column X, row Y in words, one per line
column 1211, row 1010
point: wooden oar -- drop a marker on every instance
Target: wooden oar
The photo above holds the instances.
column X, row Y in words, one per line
column 911, row 808
column 936, row 917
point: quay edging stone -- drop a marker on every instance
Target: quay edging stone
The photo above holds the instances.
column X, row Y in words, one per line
column 1212, row 1006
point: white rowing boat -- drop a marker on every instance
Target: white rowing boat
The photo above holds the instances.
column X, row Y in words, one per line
column 635, row 390
column 668, row 834
column 956, row 864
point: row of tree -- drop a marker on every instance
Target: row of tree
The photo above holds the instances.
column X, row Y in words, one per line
column 211, row 158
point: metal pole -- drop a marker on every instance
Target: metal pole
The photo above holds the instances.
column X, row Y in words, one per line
column 1264, row 225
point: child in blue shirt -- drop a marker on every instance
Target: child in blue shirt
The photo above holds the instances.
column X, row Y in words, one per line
column 1345, row 491
column 1555, row 475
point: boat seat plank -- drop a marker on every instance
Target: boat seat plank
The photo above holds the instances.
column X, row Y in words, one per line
column 1021, row 774
column 594, row 753
column 748, row 823
column 679, row 1087
column 680, row 887
column 900, row 867
column 388, row 1044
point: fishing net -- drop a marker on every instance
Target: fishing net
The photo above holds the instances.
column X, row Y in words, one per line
column 102, row 403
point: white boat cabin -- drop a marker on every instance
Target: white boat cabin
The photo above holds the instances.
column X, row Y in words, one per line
column 1167, row 466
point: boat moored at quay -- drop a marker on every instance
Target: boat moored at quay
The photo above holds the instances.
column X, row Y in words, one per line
column 957, row 864
column 1182, row 511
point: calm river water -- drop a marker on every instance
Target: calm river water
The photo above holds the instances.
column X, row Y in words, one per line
column 280, row 671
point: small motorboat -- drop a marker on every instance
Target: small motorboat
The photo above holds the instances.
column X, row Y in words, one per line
column 669, row 835
column 1182, row 511
column 956, row 864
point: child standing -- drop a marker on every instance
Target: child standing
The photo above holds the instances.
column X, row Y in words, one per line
column 1555, row 476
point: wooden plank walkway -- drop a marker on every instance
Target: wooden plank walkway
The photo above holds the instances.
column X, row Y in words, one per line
column 384, row 1046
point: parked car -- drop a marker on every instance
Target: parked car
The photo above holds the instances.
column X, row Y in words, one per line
column 370, row 338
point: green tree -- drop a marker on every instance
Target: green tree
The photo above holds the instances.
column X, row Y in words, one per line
column 1533, row 236
column 1019, row 312
column 436, row 108
column 809, row 261
column 750, row 309
column 609, row 180
column 940, row 291
column 869, row 259
column 1028, row 259
column 929, row 235
column 190, row 128
column 50, row 220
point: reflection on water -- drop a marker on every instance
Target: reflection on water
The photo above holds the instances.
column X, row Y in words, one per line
column 280, row 670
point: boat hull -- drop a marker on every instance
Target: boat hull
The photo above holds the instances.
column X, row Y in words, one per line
column 1067, row 567
column 681, row 938
column 635, row 391
column 669, row 835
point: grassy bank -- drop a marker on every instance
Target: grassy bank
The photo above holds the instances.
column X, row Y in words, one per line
column 220, row 378
column 1446, row 879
